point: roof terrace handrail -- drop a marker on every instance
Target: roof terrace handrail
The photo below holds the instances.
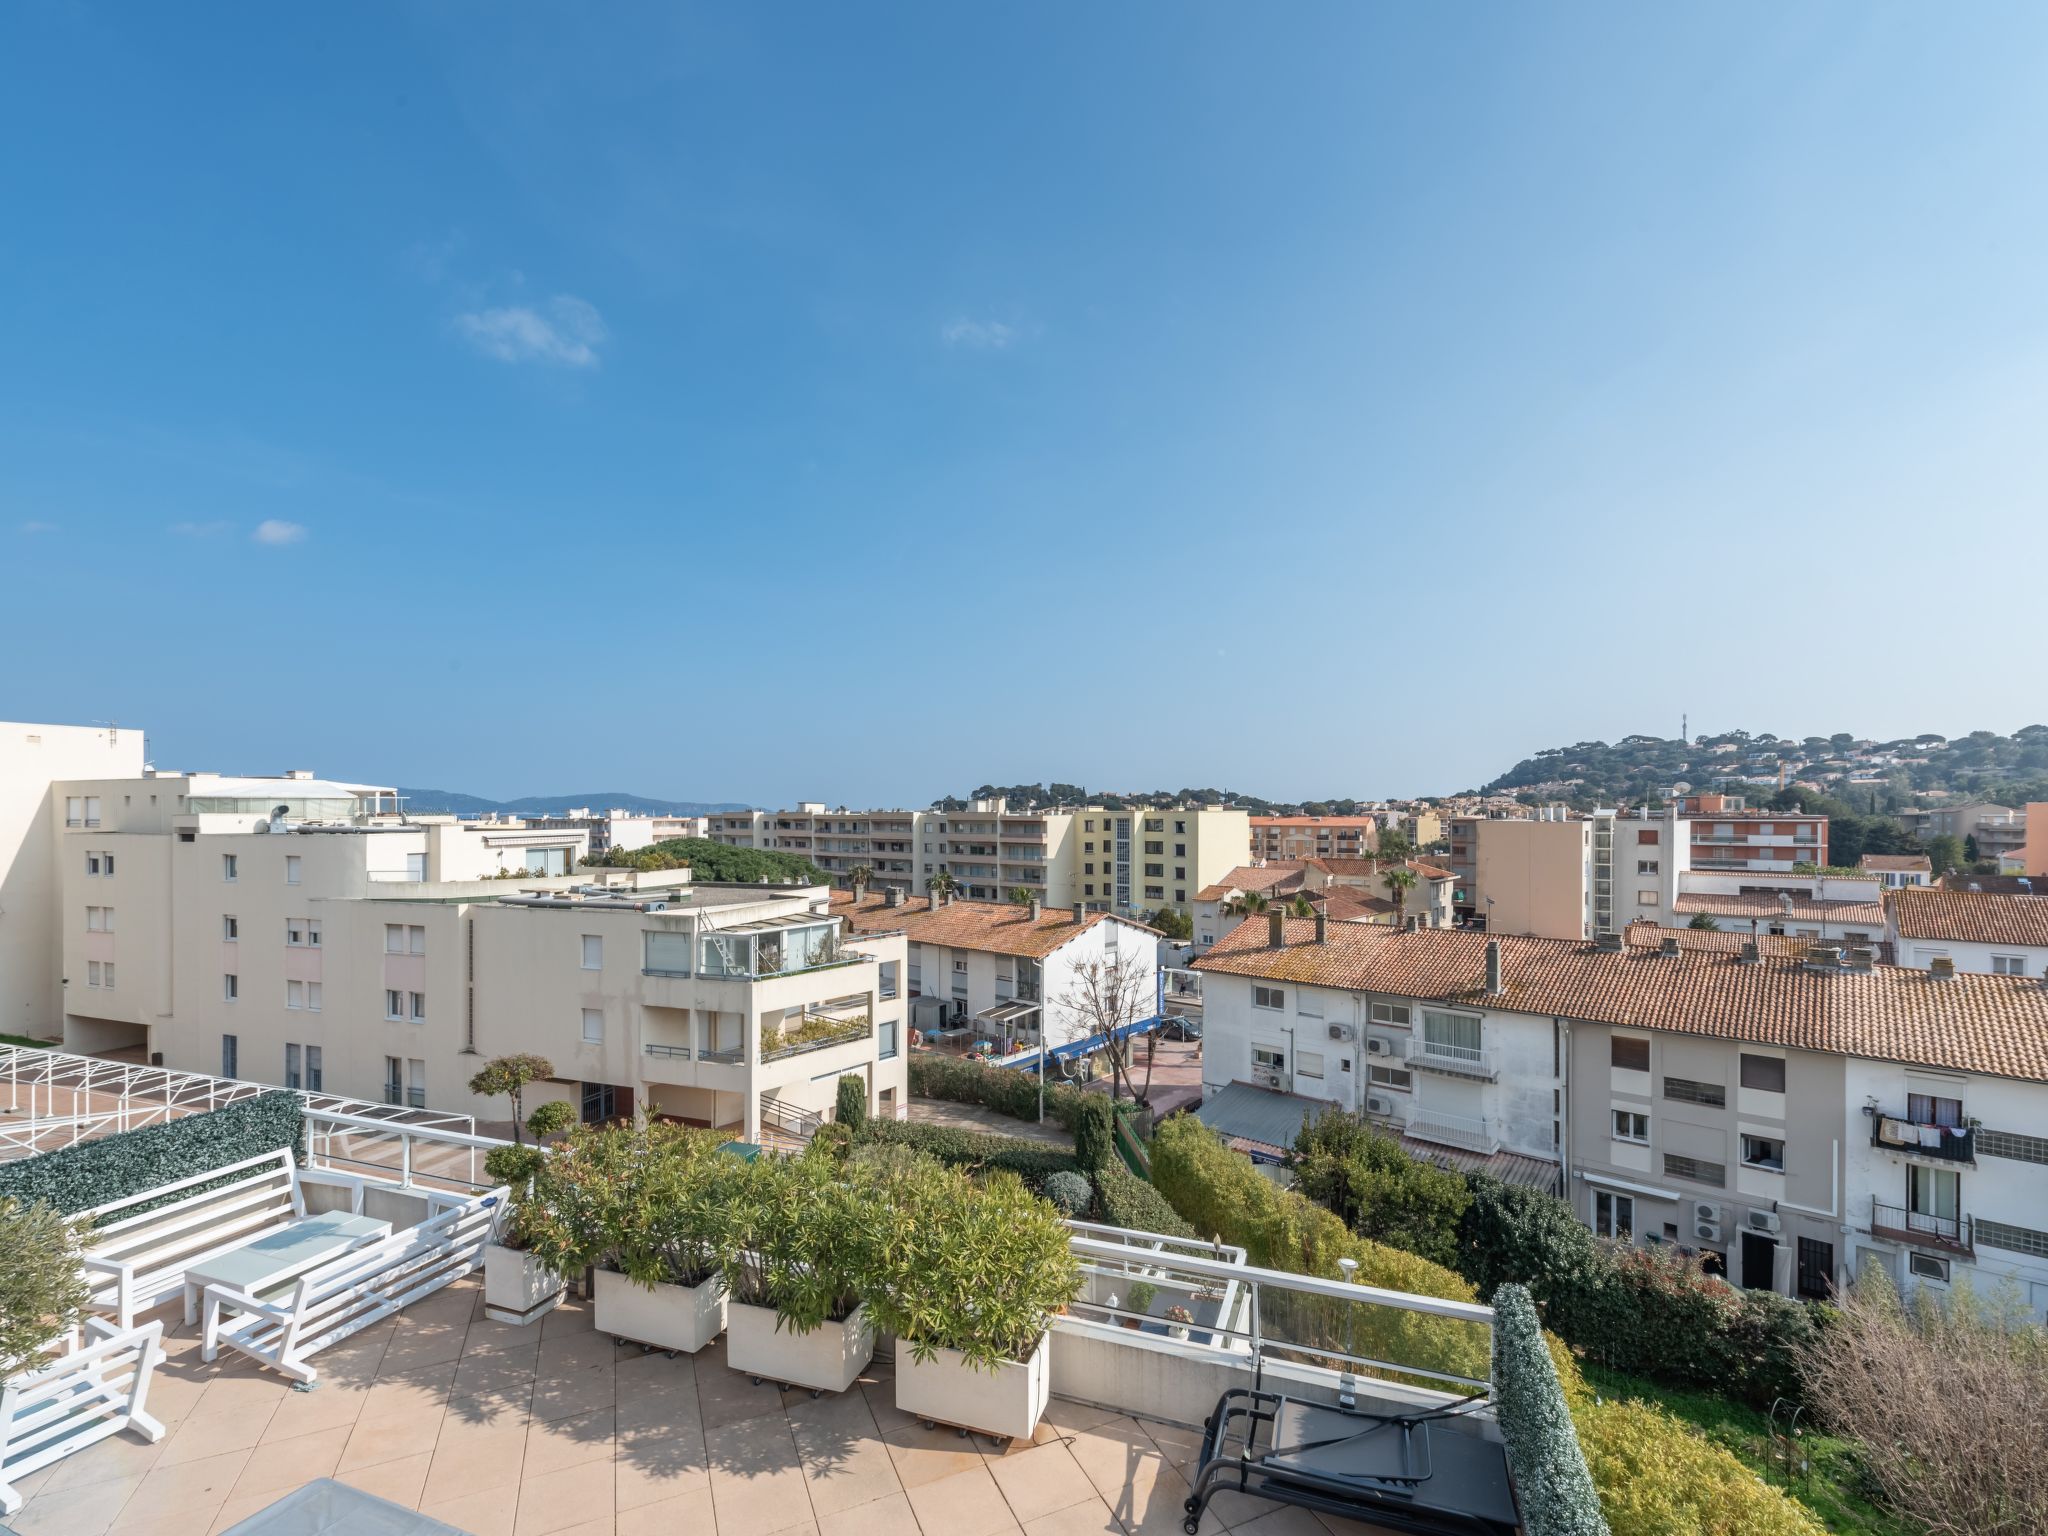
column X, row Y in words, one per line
column 430, row 1133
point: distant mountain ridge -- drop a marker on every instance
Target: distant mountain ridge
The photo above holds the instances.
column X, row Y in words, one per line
column 448, row 800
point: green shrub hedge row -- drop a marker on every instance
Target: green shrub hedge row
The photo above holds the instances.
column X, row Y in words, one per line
column 1006, row 1090
column 93, row 1173
column 1031, row 1161
column 1553, row 1486
column 1125, row 1200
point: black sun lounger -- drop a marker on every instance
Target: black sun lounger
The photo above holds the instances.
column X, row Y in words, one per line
column 1428, row 1472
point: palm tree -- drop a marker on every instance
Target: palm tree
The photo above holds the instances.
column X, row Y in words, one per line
column 860, row 877
column 1249, row 903
column 1399, row 881
column 941, row 884
column 1301, row 906
column 1021, row 895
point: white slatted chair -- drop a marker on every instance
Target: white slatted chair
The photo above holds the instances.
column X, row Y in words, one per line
column 284, row 1326
column 75, row 1401
column 138, row 1261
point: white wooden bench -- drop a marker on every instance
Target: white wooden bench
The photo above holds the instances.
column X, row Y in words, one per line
column 283, row 1326
column 139, row 1257
column 96, row 1390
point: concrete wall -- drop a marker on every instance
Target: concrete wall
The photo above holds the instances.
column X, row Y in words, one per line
column 1536, row 876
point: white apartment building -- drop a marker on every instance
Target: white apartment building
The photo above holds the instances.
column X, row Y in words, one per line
column 1004, row 971
column 1897, row 871
column 1127, row 861
column 1990, row 932
column 1791, row 1114
column 293, row 930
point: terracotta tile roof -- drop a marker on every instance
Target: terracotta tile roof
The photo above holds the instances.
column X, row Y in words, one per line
column 1344, row 906
column 1342, row 823
column 1263, row 878
column 1804, row 908
column 1719, row 941
column 1970, row 917
column 998, row 927
column 2009, row 885
column 1996, row 1025
column 1905, row 863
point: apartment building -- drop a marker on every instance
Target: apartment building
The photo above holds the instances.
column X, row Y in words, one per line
column 1791, row 1115
column 1005, row 971
column 2033, row 855
column 1305, row 837
column 34, row 759
column 1990, row 932
column 1557, row 875
column 1997, row 829
column 1728, row 836
column 1842, row 909
column 615, row 828
column 838, row 842
column 294, row 930
column 1898, row 871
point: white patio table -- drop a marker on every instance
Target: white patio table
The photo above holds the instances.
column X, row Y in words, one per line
column 264, row 1262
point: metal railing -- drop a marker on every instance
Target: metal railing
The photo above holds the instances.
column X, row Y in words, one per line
column 1950, row 1144
column 1952, row 1232
column 856, row 1029
column 1465, row 1131
column 726, row 1057
column 667, row 1052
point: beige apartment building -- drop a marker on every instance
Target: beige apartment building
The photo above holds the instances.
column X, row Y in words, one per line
column 1308, row 837
column 296, row 931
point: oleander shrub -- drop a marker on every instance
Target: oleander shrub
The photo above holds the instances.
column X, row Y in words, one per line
column 42, row 1288
column 1095, row 1133
column 1070, row 1193
column 95, row 1173
column 1659, row 1477
column 1008, row 1091
column 850, row 1103
column 1032, row 1161
column 1554, row 1488
column 1122, row 1199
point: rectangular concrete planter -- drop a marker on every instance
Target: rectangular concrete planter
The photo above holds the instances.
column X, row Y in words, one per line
column 945, row 1389
column 516, row 1288
column 670, row 1317
column 827, row 1359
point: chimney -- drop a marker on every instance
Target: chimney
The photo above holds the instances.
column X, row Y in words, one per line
column 1080, row 912
column 1669, row 946
column 1609, row 942
column 1037, row 909
column 1941, row 968
column 1751, row 953
column 1861, row 957
column 893, row 897
column 1493, row 967
column 1276, row 929
column 1322, row 926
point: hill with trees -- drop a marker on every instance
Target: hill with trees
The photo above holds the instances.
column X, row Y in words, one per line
column 1045, row 797
column 454, row 802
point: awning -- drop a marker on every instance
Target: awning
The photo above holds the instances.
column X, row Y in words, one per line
column 1635, row 1189
column 1088, row 1047
column 1007, row 1013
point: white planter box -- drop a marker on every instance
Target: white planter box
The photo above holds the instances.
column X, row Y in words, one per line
column 1005, row 1402
column 827, row 1359
column 516, row 1288
column 670, row 1317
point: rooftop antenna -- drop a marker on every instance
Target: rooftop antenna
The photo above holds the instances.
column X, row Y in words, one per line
column 1684, row 724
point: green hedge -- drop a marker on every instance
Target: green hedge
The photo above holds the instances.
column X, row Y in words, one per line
column 1007, row 1090
column 1031, row 1161
column 1125, row 1200
column 1554, row 1488
column 93, row 1173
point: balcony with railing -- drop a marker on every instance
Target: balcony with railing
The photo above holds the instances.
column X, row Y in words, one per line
column 817, row 1032
column 1454, row 1057
column 1909, row 1138
column 1951, row 1234
column 1472, row 1134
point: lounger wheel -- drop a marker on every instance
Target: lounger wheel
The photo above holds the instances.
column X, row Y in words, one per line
column 927, row 1423
column 1191, row 1525
column 757, row 1381
column 1188, row 1504
column 670, row 1353
column 816, row 1393
column 1000, row 1442
column 619, row 1343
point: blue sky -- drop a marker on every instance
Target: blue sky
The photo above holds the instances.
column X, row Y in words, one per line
column 853, row 402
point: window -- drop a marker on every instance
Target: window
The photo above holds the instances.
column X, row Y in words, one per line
column 92, row 863
column 295, row 994
column 1646, row 898
column 230, row 928
column 313, row 1073
column 1308, row 1063
column 106, row 863
column 1927, row 1266
column 291, row 869
column 107, row 974
column 230, row 1056
column 1816, row 1269
column 1271, row 1060
column 1390, row 1013
column 416, row 940
column 1155, row 893
column 230, row 989
column 1646, row 866
column 92, row 973
column 1396, row 1078
column 394, row 938
column 416, row 867
column 1614, row 1215
column 666, row 953
column 1931, row 1109
column 74, row 811
column 415, row 1083
column 92, row 810
column 886, row 1040
column 1765, row 1152
column 313, row 932
column 593, row 1025
column 1087, row 869
column 959, row 967
column 1088, row 890
column 1180, row 896
column 1453, row 1035
column 2008, row 965
column 1764, row 1072
column 1151, row 847
column 394, row 1079
column 95, row 920
column 394, row 1005
column 1269, row 997
column 1155, row 871
column 1308, row 1004
column 291, row 1065
column 227, row 867
column 294, row 931
column 1685, row 1091
column 1632, row 1125
column 1180, row 850
column 312, row 997
column 1647, row 838
column 1693, row 1168
column 593, row 952
column 419, row 1006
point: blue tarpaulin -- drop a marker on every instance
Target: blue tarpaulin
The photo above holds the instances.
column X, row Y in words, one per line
column 1088, row 1047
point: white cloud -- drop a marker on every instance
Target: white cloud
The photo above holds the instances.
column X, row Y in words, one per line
column 199, row 530
column 565, row 330
column 982, row 335
column 33, row 527
column 275, row 530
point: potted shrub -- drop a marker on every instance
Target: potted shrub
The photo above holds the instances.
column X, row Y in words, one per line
column 1139, row 1304
column 657, row 1284
column 519, row 1284
column 793, row 1235
column 968, row 1277
column 42, row 1289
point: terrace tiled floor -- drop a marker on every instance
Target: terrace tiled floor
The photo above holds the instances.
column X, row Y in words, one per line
column 505, row 1431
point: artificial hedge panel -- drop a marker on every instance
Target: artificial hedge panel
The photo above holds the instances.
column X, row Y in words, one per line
column 94, row 1173
column 1551, row 1481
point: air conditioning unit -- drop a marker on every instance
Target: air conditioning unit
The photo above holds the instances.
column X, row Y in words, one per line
column 1707, row 1231
column 1342, row 1032
column 1265, row 1077
column 1763, row 1221
column 1705, row 1210
column 1378, row 1104
column 1375, row 1046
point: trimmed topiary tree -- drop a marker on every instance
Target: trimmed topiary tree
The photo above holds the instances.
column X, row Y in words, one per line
column 507, row 1077
column 850, row 1105
column 1094, row 1133
column 1070, row 1192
